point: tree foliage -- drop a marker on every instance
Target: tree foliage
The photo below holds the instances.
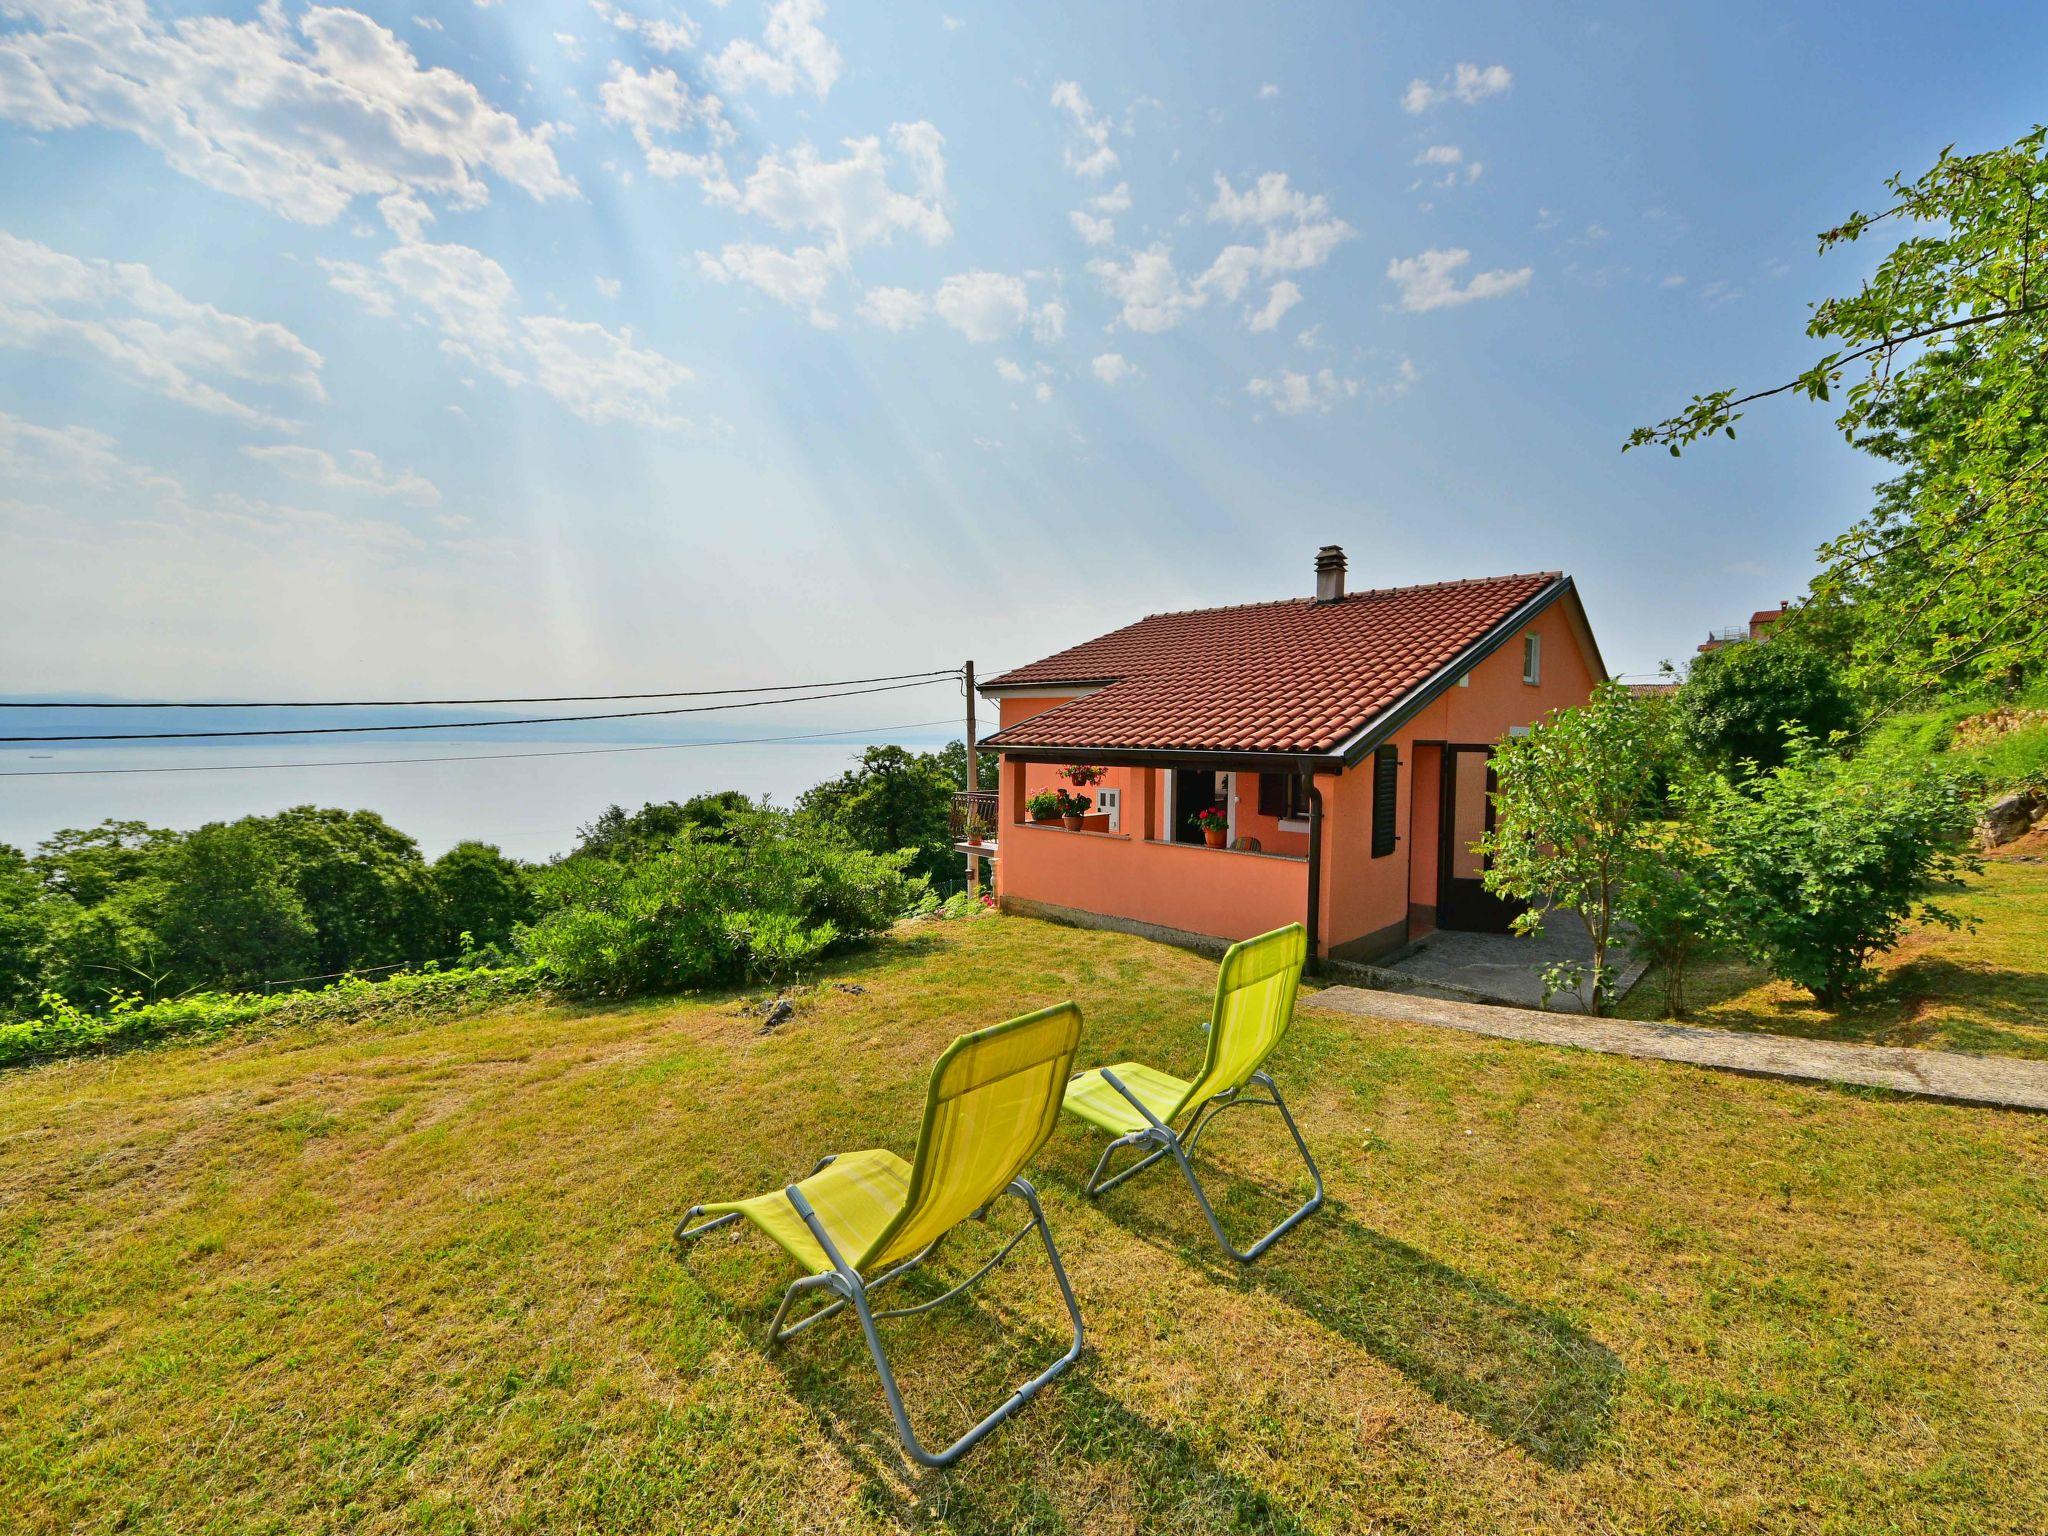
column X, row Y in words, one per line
column 1819, row 864
column 621, row 834
column 1738, row 700
column 1576, row 806
column 1945, row 582
column 759, row 902
column 893, row 799
column 479, row 892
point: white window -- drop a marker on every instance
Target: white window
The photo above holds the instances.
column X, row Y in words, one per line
column 1110, row 802
column 1532, row 658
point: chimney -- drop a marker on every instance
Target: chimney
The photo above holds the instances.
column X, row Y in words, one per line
column 1329, row 574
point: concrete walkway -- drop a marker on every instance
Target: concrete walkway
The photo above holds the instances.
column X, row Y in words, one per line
column 1491, row 967
column 1995, row 1081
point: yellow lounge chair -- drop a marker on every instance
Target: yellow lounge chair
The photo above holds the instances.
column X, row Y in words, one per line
column 862, row 1218
column 1138, row 1104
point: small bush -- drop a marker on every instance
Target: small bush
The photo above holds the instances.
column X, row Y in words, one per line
column 60, row 1028
column 1820, row 863
column 768, row 896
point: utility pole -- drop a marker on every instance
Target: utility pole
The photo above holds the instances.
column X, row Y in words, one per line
column 973, row 785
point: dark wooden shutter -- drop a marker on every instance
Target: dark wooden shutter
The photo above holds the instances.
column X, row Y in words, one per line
column 1272, row 794
column 1386, row 765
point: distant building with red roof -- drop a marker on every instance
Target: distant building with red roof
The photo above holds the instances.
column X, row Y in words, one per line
column 1758, row 628
column 1342, row 738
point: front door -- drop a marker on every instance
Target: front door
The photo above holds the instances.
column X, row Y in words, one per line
column 1467, row 814
column 1194, row 790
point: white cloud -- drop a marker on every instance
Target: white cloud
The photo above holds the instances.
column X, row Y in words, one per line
column 363, row 474
column 656, row 104
column 1116, row 200
column 1042, row 392
column 1091, row 156
column 798, row 278
column 662, row 36
column 1154, row 297
column 850, row 200
column 1454, row 165
column 894, row 309
column 1009, row 372
column 1091, row 229
column 793, row 51
column 607, row 287
column 303, row 117
column 1112, row 368
column 1299, row 231
column 121, row 316
column 1672, row 280
column 952, row 23
column 983, row 306
column 571, row 45
column 1296, row 394
column 1149, row 290
column 1429, row 281
column 1268, row 91
column 1280, row 298
column 1269, row 200
column 1049, row 322
column 1467, row 83
column 598, row 374
column 119, row 570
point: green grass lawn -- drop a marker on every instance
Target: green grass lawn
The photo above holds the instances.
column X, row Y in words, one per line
column 418, row 1277
column 1983, row 990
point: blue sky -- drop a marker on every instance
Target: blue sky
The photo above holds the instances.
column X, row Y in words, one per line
column 658, row 344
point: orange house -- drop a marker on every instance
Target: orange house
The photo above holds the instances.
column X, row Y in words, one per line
column 1344, row 738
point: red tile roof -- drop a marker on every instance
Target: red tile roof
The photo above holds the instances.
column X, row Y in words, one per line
column 1292, row 676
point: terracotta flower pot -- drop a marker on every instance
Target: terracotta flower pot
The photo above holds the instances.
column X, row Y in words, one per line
column 1214, row 837
column 1072, row 823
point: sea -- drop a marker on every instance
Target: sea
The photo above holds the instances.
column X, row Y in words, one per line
column 527, row 797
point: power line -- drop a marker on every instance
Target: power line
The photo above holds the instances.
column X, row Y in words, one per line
column 472, row 725
column 560, row 698
column 470, row 757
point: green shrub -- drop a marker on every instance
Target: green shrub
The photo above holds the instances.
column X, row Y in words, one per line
column 1820, row 863
column 1738, row 701
column 61, row 1028
column 769, row 895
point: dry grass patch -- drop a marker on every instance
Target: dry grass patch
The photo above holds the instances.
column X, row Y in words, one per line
column 419, row 1278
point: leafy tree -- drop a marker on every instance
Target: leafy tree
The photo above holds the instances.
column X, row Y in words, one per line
column 1945, row 583
column 360, row 881
column 1822, row 862
column 90, row 864
column 25, row 912
column 1575, row 808
column 481, row 893
column 894, row 799
column 952, row 761
column 1671, row 903
column 1738, row 700
column 230, row 913
column 621, row 834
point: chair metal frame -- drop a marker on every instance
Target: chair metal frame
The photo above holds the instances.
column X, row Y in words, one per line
column 1166, row 1142
column 847, row 1286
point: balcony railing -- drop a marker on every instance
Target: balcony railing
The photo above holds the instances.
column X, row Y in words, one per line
column 972, row 818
